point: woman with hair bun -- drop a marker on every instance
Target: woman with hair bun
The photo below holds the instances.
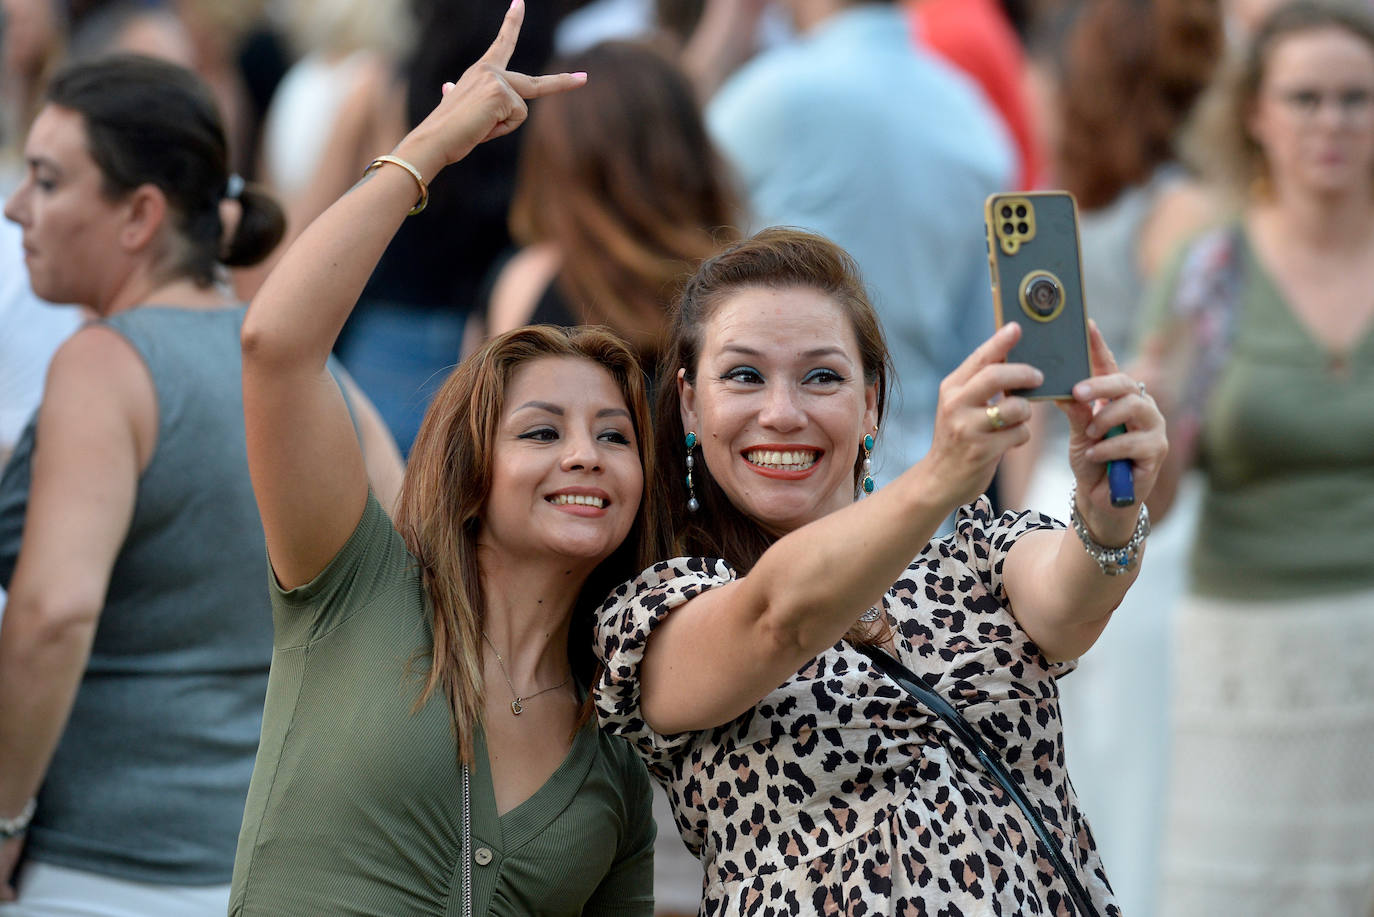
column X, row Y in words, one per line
column 137, row 639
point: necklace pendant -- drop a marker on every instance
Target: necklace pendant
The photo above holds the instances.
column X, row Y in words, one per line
column 516, row 707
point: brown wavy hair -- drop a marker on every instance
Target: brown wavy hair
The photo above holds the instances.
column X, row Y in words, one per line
column 1219, row 143
column 776, row 258
column 444, row 494
column 1132, row 74
column 621, row 177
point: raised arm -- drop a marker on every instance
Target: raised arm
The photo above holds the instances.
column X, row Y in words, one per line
column 381, row 458
column 720, row 653
column 307, row 467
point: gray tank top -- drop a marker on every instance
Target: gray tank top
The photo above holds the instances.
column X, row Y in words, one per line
column 149, row 780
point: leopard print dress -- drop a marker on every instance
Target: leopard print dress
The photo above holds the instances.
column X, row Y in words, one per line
column 836, row 794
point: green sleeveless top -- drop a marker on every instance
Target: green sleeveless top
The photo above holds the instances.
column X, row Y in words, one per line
column 355, row 806
column 1287, row 449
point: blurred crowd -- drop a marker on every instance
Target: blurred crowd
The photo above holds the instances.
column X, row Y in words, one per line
column 1220, row 735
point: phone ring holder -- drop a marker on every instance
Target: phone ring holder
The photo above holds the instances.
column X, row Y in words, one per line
column 1042, row 296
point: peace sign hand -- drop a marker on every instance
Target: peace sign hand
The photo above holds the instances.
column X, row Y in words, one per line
column 488, row 101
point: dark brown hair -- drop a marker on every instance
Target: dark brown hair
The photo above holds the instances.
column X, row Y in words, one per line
column 151, row 122
column 622, row 178
column 1132, row 74
column 777, row 258
column 442, row 499
column 1220, row 141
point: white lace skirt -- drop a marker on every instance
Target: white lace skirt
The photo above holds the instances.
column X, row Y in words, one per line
column 1271, row 799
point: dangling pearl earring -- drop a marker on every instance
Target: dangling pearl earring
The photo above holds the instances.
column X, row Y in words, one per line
column 867, row 483
column 692, row 504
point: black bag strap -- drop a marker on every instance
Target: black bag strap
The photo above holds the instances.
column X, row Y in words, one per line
column 914, row 685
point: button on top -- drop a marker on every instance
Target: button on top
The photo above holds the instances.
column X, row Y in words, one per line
column 482, row 855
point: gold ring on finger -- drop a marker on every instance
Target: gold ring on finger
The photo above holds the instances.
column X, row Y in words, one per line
column 995, row 416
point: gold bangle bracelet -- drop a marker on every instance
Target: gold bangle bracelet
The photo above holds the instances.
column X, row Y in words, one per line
column 414, row 173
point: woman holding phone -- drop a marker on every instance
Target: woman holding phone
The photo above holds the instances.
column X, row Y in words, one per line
column 805, row 779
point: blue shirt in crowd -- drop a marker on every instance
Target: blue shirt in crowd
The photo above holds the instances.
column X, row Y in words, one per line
column 855, row 133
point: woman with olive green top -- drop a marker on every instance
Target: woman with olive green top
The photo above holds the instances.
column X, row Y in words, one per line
column 1287, row 445
column 1266, row 333
column 356, row 804
column 427, row 746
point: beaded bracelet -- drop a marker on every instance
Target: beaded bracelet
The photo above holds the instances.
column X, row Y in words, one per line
column 414, row 173
column 13, row 827
column 1114, row 561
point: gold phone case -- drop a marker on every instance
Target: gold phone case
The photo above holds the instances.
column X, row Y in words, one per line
column 1037, row 281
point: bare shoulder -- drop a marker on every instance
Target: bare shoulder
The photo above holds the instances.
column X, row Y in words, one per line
column 519, row 285
column 1180, row 211
column 97, row 373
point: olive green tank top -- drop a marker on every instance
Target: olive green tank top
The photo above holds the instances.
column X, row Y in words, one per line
column 1287, row 449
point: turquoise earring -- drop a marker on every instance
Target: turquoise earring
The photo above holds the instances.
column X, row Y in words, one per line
column 692, row 504
column 867, row 483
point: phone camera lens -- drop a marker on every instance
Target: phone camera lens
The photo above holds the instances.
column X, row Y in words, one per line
column 1044, row 296
column 1008, row 229
column 1022, row 228
column 1021, row 211
column 1006, row 212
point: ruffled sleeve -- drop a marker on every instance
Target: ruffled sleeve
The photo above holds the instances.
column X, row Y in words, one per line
column 623, row 626
column 983, row 540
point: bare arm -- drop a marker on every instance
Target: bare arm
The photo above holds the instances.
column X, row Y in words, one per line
column 1180, row 212
column 385, row 467
column 308, row 470
column 723, row 40
column 95, row 433
column 1058, row 593
column 515, row 295
column 720, row 653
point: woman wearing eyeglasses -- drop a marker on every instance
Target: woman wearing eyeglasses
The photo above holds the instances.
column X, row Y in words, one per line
column 1265, row 332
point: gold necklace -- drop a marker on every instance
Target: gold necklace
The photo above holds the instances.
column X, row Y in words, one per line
column 517, row 706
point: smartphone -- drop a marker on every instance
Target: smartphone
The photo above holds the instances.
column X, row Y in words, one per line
column 1037, row 281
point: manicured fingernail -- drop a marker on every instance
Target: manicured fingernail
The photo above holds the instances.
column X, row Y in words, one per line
column 1039, row 377
column 1081, row 391
column 580, row 75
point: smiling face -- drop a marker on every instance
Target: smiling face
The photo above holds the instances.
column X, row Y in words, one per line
column 779, row 404
column 566, row 477
column 1313, row 115
column 71, row 229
